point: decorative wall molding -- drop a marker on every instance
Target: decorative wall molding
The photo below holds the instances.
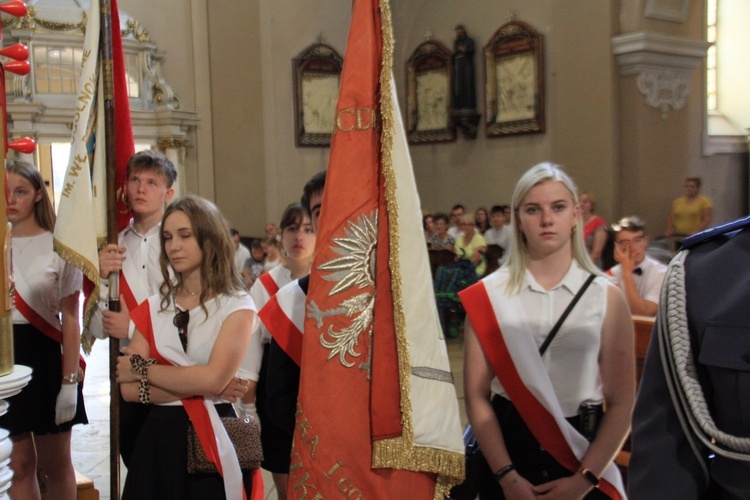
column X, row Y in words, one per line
column 664, row 65
column 638, row 51
column 664, row 89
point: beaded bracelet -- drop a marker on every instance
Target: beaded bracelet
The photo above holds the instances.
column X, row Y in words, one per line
column 503, row 472
column 144, row 391
column 140, row 365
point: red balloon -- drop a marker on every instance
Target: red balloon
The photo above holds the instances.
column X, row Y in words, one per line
column 18, row 67
column 19, row 52
column 25, row 145
column 15, row 8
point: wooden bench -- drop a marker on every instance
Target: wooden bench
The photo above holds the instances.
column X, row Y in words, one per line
column 643, row 326
column 85, row 488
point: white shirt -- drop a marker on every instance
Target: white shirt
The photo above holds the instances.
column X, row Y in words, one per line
column 454, row 232
column 268, row 265
column 572, row 358
column 48, row 277
column 202, row 330
column 240, row 257
column 498, row 236
column 143, row 250
column 254, row 357
column 648, row 283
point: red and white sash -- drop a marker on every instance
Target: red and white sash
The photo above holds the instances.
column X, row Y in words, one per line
column 284, row 317
column 269, row 284
column 38, row 315
column 515, row 359
column 167, row 350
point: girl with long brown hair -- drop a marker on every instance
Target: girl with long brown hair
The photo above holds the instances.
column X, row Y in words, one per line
column 186, row 355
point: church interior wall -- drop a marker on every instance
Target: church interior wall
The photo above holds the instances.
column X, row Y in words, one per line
column 287, row 27
column 598, row 124
column 236, row 113
column 659, row 151
column 580, row 87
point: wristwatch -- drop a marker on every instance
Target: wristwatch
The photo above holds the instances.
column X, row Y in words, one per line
column 591, row 477
column 70, row 378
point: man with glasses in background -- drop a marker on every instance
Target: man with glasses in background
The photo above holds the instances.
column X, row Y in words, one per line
column 638, row 275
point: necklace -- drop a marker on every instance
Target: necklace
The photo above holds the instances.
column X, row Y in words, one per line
column 192, row 294
column 18, row 246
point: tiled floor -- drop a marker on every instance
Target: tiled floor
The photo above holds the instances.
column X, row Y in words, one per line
column 91, row 442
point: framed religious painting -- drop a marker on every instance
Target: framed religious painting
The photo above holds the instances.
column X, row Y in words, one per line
column 428, row 94
column 514, row 85
column 317, row 71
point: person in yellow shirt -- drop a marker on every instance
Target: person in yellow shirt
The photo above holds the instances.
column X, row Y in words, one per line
column 471, row 245
column 691, row 213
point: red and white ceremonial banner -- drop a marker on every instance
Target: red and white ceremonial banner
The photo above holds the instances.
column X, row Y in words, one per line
column 82, row 213
column 377, row 411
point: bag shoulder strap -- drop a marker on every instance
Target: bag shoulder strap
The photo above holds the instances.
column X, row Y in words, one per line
column 565, row 314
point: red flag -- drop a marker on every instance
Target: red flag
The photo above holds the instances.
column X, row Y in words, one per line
column 125, row 145
column 81, row 221
column 356, row 433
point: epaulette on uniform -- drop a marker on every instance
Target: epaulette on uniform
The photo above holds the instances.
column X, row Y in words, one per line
column 708, row 234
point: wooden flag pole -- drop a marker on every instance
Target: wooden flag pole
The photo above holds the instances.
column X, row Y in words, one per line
column 114, row 277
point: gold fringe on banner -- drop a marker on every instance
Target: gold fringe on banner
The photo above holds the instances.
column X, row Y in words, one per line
column 91, row 272
column 400, row 452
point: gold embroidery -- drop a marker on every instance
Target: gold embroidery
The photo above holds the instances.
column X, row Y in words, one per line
column 310, row 440
column 335, row 467
column 360, row 119
column 336, row 473
column 354, row 269
column 304, row 485
column 346, row 485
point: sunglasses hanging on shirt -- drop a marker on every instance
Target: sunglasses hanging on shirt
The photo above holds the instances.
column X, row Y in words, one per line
column 181, row 320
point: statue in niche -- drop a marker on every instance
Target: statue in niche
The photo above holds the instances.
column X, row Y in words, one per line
column 464, row 90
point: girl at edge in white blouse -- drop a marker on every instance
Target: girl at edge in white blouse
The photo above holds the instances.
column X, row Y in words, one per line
column 298, row 245
column 546, row 242
column 33, row 218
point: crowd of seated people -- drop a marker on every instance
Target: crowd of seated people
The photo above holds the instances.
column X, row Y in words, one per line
column 623, row 250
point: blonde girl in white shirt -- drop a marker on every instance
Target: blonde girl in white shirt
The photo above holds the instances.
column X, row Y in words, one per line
column 527, row 431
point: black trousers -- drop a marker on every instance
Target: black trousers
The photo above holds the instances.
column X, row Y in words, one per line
column 531, row 460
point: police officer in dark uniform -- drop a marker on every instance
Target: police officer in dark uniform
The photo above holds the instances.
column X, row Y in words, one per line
column 691, row 424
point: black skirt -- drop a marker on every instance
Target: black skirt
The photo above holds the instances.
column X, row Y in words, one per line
column 33, row 409
column 159, row 462
column 277, row 408
column 532, row 461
